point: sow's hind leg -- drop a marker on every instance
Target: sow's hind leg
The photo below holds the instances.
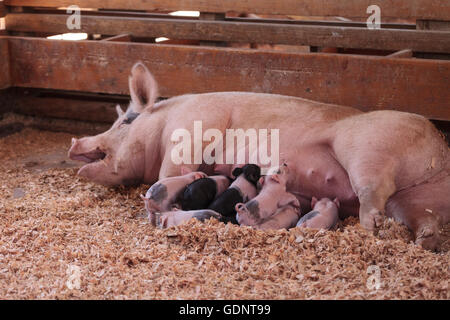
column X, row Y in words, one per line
column 423, row 209
column 373, row 182
column 386, row 151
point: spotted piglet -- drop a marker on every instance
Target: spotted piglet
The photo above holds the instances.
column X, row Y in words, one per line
column 273, row 196
column 161, row 196
column 202, row 192
column 176, row 217
column 323, row 216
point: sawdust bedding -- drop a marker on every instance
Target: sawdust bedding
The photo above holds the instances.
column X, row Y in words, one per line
column 53, row 222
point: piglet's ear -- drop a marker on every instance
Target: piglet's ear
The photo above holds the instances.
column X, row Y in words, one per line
column 275, row 177
column 261, row 181
column 336, row 201
column 185, row 170
column 313, row 202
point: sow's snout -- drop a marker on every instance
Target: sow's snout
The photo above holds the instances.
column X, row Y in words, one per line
column 85, row 150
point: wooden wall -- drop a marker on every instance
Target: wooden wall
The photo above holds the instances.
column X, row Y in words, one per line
column 353, row 76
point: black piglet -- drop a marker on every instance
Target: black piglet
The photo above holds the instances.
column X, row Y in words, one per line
column 241, row 190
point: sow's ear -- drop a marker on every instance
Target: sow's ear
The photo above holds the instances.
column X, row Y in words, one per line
column 143, row 88
column 119, row 111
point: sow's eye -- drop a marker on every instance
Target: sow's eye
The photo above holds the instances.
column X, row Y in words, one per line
column 127, row 121
column 130, row 117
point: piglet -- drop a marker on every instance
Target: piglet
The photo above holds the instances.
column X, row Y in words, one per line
column 323, row 216
column 202, row 192
column 272, row 196
column 241, row 190
column 161, row 196
column 284, row 218
column 177, row 217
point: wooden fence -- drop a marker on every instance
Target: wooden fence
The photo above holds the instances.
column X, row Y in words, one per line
column 402, row 66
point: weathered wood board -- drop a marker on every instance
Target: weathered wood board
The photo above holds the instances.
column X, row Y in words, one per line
column 367, row 83
column 5, row 80
column 414, row 9
column 2, row 10
column 2, row 19
column 343, row 37
column 66, row 107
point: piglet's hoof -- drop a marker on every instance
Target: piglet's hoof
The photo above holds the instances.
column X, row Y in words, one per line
column 428, row 238
column 371, row 220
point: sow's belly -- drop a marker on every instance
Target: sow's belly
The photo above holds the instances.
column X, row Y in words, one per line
column 316, row 173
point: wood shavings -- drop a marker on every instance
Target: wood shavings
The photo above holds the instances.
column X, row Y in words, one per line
column 63, row 223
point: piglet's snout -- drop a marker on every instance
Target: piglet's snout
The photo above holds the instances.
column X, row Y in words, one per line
column 240, row 208
column 73, row 148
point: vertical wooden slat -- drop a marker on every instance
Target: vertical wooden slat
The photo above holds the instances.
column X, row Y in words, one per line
column 5, row 78
column 210, row 16
column 2, row 19
column 2, row 9
column 19, row 10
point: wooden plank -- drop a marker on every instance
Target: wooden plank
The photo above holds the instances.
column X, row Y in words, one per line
column 2, row 10
column 436, row 26
column 414, row 9
column 5, row 101
column 386, row 39
column 433, row 25
column 134, row 14
column 407, row 53
column 367, row 83
column 66, row 108
column 2, row 19
column 5, row 80
column 53, row 124
column 121, row 37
